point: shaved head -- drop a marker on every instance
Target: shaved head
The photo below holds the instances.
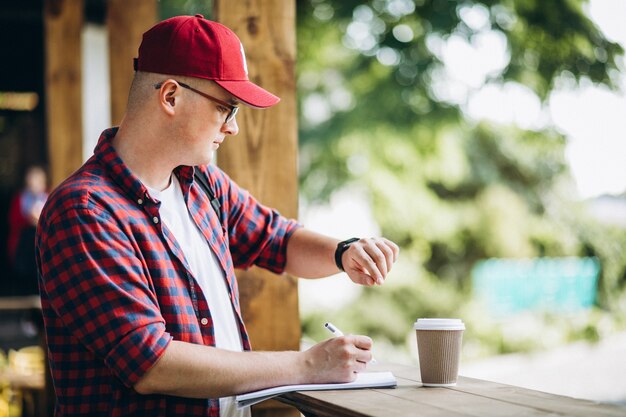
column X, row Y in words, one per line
column 141, row 89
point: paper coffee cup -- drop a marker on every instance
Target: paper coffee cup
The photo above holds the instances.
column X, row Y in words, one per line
column 439, row 350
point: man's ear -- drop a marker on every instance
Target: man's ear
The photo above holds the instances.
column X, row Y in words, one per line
column 168, row 95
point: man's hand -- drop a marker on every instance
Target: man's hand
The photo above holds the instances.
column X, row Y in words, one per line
column 338, row 359
column 368, row 261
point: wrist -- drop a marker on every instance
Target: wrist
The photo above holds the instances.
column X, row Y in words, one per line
column 287, row 367
column 342, row 247
column 306, row 367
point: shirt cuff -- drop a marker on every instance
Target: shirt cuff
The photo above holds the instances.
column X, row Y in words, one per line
column 137, row 352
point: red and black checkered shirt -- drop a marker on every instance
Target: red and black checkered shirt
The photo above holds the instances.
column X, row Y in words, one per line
column 115, row 286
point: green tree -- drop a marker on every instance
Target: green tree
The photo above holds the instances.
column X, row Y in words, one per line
column 449, row 190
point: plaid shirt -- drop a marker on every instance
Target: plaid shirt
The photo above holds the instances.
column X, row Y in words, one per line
column 115, row 286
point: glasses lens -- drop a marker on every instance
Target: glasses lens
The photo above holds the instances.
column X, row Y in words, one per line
column 232, row 114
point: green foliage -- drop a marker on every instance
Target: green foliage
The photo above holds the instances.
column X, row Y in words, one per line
column 549, row 38
column 337, row 57
column 171, row 8
column 448, row 190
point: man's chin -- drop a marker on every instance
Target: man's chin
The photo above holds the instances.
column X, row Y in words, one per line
column 205, row 159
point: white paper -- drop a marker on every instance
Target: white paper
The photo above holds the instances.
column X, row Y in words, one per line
column 363, row 380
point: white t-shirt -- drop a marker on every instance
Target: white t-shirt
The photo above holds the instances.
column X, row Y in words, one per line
column 207, row 271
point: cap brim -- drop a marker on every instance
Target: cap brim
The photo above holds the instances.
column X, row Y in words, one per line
column 249, row 93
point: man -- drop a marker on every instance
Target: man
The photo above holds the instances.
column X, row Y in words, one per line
column 137, row 275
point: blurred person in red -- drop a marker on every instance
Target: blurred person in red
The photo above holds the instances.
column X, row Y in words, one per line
column 24, row 212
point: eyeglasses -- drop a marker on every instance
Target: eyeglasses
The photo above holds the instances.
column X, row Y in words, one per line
column 232, row 109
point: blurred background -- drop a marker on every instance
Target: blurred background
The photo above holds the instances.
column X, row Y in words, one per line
column 486, row 138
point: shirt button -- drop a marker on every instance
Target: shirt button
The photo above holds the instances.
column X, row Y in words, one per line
column 140, row 201
column 155, row 219
column 204, row 321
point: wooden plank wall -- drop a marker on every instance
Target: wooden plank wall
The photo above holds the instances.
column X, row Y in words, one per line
column 263, row 159
column 63, row 21
column 127, row 20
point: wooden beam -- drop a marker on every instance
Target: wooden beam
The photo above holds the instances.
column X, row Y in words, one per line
column 127, row 20
column 263, row 159
column 63, row 21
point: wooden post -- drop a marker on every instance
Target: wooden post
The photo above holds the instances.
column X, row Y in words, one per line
column 263, row 159
column 63, row 21
column 127, row 20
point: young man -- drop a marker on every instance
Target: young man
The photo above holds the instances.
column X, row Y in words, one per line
column 137, row 279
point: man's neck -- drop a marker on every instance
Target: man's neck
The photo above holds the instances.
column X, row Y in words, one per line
column 146, row 159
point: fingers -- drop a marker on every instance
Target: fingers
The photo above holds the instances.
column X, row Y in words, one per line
column 377, row 261
column 363, row 344
column 395, row 250
column 356, row 351
column 387, row 256
column 371, row 263
column 368, row 261
column 340, row 358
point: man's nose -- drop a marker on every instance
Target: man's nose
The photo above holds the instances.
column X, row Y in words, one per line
column 231, row 128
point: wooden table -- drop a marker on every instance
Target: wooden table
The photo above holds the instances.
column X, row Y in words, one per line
column 471, row 397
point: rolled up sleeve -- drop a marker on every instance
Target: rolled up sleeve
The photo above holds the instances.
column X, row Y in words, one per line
column 95, row 281
column 257, row 234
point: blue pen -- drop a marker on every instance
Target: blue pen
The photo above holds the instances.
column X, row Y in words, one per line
column 338, row 333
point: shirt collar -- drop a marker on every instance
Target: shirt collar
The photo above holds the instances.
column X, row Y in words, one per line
column 106, row 154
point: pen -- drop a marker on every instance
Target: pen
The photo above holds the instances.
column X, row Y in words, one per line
column 338, row 333
column 334, row 330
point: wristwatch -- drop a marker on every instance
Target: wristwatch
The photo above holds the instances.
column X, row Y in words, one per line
column 341, row 248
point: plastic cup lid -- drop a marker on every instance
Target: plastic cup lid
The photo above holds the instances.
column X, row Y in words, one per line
column 439, row 324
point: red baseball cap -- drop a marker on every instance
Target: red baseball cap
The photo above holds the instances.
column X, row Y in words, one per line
column 196, row 47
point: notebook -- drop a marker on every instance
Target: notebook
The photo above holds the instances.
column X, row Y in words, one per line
column 363, row 380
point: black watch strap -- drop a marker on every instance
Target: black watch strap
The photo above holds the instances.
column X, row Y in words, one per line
column 341, row 248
